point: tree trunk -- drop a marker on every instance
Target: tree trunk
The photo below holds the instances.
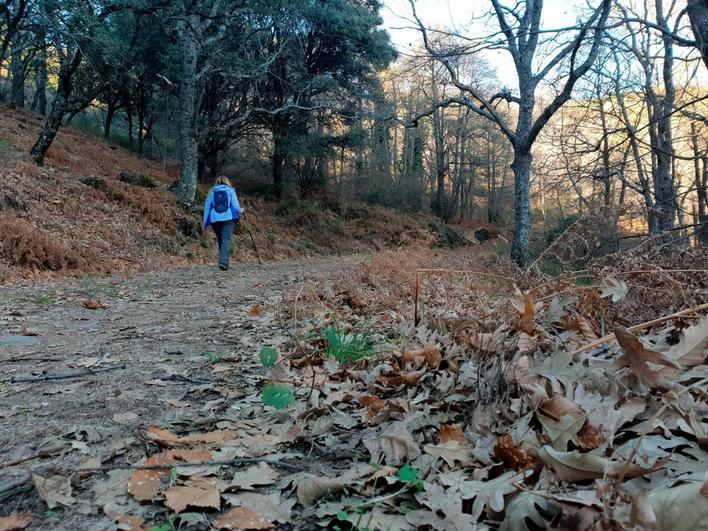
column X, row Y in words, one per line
column 698, row 15
column 40, row 95
column 186, row 186
column 279, row 159
column 129, row 117
column 17, row 90
column 701, row 181
column 664, row 184
column 110, row 114
column 59, row 107
column 606, row 170
column 522, row 206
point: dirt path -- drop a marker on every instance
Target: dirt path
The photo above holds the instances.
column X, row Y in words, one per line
column 159, row 326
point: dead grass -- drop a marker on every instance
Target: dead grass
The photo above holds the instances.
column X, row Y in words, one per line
column 22, row 244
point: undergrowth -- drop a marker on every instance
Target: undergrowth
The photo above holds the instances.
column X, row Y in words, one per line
column 348, row 347
column 23, row 244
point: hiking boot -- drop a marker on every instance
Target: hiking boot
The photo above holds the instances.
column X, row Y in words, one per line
column 224, row 267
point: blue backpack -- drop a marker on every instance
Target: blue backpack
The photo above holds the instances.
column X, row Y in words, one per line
column 221, row 201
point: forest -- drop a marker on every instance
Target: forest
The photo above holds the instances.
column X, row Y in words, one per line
column 462, row 273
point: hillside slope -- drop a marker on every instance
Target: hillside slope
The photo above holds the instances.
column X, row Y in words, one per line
column 76, row 214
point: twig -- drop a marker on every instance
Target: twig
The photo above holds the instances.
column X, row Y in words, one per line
column 47, row 377
column 576, row 274
column 41, row 453
column 635, row 328
column 297, row 299
column 30, row 358
column 225, row 462
column 183, row 378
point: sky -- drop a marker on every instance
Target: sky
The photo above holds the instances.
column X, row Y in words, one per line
column 458, row 14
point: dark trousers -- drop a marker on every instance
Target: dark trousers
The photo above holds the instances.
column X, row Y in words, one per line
column 224, row 230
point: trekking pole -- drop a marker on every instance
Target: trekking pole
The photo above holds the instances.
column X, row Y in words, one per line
column 253, row 241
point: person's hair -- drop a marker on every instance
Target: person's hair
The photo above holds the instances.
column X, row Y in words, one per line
column 222, row 179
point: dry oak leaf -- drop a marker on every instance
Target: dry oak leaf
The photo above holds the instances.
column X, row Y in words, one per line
column 439, row 502
column 312, row 488
column 255, row 310
column 202, row 494
column 528, row 508
column 523, row 302
column 452, row 452
column 373, row 405
column 512, row 457
column 563, row 421
column 431, row 356
column 167, row 438
column 15, row 522
column 394, row 444
column 53, row 489
column 270, row 507
column 692, row 348
column 256, row 476
column 146, row 485
column 637, row 357
column 676, row 508
column 450, row 432
column 94, row 305
column 488, row 341
column 129, row 522
column 488, row 493
column 124, row 418
column 576, row 466
column 242, row 518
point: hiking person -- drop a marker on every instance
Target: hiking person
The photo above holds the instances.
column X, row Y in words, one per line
column 222, row 211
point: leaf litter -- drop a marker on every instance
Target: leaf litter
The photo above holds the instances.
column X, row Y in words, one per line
column 487, row 415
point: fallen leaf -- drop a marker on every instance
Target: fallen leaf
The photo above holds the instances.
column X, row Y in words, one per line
column 489, row 341
column 563, row 421
column 257, row 475
column 129, row 522
column 615, row 288
column 312, row 488
column 378, row 520
column 255, row 310
column 242, row 518
column 439, row 502
column 167, row 438
column 637, row 357
column 54, row 490
column 512, row 457
column 394, row 445
column 200, row 494
column 94, row 305
column 450, row 432
column 526, row 508
column 177, row 403
column 146, row 485
column 373, row 405
column 124, row 418
column 15, row 522
column 488, row 493
column 678, row 508
column 452, row 452
column 577, row 466
column 270, row 507
column 523, row 302
column 692, row 347
column 556, row 309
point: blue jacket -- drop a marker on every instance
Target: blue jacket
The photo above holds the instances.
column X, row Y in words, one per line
column 232, row 214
